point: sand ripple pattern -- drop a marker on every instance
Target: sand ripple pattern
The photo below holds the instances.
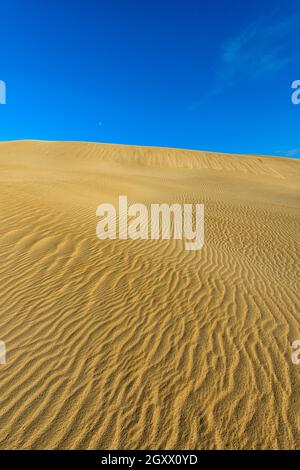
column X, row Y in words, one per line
column 141, row 344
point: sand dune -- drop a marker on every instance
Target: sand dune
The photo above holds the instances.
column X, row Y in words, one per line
column 141, row 344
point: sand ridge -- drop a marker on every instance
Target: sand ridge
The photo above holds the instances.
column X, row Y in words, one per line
column 133, row 344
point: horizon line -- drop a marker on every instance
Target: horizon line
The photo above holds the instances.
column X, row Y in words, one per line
column 150, row 146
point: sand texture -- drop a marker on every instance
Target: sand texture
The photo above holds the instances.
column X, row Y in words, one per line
column 140, row 344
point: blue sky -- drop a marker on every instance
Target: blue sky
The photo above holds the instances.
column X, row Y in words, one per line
column 192, row 74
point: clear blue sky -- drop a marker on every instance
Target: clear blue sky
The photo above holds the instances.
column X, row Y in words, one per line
column 213, row 75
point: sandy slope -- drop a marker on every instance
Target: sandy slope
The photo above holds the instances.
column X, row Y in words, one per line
column 140, row 344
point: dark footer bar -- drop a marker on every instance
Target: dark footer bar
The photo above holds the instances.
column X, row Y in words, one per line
column 135, row 459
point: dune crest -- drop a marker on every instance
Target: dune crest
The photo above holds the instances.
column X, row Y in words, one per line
column 133, row 344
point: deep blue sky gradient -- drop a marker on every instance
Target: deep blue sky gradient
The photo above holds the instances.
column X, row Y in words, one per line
column 212, row 75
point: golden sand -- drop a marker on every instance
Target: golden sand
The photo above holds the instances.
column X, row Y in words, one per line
column 140, row 344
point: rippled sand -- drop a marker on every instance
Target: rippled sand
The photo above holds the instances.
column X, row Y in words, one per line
column 141, row 344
